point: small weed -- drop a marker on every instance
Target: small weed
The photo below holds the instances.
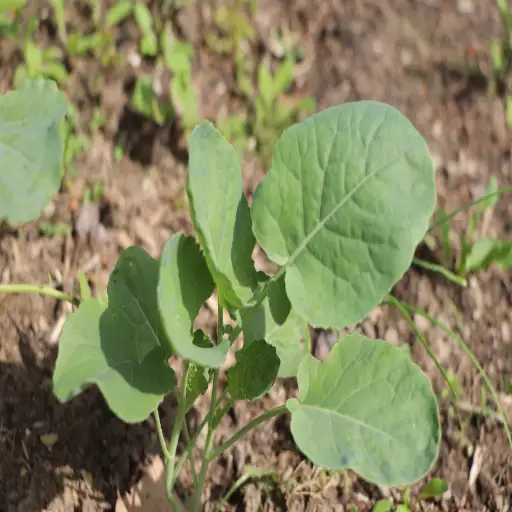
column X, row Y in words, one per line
column 94, row 193
column 144, row 20
column 74, row 142
column 146, row 102
column 434, row 488
column 180, row 98
column 476, row 252
column 269, row 109
column 38, row 61
column 51, row 230
column 273, row 110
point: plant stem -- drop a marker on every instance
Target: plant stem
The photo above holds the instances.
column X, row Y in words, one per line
column 267, row 415
column 433, row 267
column 188, row 450
column 474, row 360
column 161, row 438
column 175, row 435
column 48, row 291
column 193, row 439
column 402, row 308
column 211, row 416
column 467, row 206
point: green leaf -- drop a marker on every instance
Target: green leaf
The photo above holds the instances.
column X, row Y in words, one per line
column 185, row 283
column 265, row 86
column 254, row 372
column 345, row 204
column 30, row 149
column 198, row 376
column 221, row 214
column 149, row 44
column 367, row 408
column 95, row 348
column 33, row 58
column 143, row 18
column 283, row 79
column 383, row 506
column 484, row 252
column 119, row 12
column 14, row 5
column 490, row 202
column 274, row 321
column 433, row 489
column 480, row 255
column 132, row 289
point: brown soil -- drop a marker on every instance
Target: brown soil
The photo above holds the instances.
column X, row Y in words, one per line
column 422, row 57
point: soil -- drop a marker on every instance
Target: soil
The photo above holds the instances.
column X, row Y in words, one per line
column 429, row 59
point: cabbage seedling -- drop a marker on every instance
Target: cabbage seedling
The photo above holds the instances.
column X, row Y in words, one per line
column 341, row 211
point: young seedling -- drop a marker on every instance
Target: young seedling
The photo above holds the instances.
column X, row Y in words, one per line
column 476, row 251
column 273, row 111
column 434, row 488
column 38, row 61
column 341, row 211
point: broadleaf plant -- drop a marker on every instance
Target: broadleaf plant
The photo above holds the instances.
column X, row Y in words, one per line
column 347, row 200
column 30, row 149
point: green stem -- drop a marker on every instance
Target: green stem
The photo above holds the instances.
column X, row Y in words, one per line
column 161, row 438
column 192, row 441
column 188, row 450
column 467, row 206
column 474, row 360
column 175, row 435
column 211, row 415
column 433, row 267
column 402, row 308
column 42, row 290
column 267, row 415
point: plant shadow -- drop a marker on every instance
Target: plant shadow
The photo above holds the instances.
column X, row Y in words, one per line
column 48, row 447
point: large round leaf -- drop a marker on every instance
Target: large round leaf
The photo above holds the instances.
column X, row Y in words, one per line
column 30, row 149
column 367, row 408
column 346, row 202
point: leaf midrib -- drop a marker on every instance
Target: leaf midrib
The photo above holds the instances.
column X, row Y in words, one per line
column 326, row 219
column 352, row 419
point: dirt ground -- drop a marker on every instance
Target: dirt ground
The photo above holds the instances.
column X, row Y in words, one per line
column 420, row 56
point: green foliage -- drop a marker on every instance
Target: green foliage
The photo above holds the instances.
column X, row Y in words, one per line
column 335, row 183
column 363, row 184
column 96, row 347
column 184, row 284
column 269, row 108
column 149, row 41
column 146, row 102
column 357, row 411
column 41, row 62
column 476, row 252
column 435, row 488
column 119, row 12
column 274, row 321
column 273, row 112
column 180, row 99
column 221, row 215
column 30, row 149
column 255, row 371
column 177, row 56
column 332, row 214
